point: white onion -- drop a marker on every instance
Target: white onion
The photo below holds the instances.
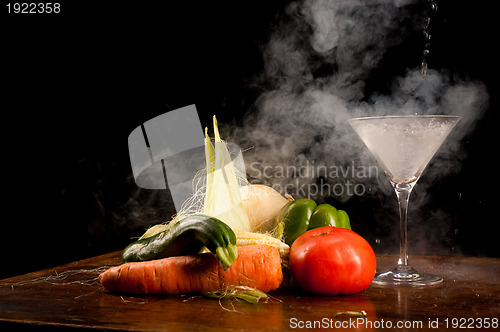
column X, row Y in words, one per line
column 262, row 205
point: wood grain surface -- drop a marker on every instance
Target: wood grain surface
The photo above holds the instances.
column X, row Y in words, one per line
column 70, row 296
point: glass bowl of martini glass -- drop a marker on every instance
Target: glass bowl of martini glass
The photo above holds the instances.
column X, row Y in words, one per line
column 403, row 146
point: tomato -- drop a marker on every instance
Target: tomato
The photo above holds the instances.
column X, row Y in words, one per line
column 331, row 260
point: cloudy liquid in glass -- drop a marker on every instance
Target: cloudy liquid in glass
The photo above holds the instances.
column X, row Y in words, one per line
column 404, row 145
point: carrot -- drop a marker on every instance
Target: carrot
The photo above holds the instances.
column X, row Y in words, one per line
column 257, row 266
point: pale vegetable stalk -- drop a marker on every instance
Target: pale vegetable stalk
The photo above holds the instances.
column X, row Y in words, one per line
column 222, row 196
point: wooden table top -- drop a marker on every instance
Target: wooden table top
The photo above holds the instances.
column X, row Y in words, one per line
column 70, row 296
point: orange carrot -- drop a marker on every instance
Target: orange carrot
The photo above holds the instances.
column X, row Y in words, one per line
column 257, row 266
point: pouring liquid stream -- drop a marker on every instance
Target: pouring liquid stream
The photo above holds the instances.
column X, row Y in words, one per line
column 427, row 35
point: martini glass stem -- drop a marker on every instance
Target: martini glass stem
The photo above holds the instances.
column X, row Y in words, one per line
column 403, row 273
column 403, row 192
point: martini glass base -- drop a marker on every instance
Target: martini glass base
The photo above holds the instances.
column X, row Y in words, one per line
column 405, row 275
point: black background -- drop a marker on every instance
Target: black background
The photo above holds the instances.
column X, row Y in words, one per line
column 74, row 85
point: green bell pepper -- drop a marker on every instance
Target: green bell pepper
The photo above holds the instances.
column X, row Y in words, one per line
column 301, row 215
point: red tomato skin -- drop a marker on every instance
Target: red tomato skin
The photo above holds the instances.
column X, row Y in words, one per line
column 331, row 260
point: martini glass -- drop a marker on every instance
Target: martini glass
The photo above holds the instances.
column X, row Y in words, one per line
column 404, row 145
